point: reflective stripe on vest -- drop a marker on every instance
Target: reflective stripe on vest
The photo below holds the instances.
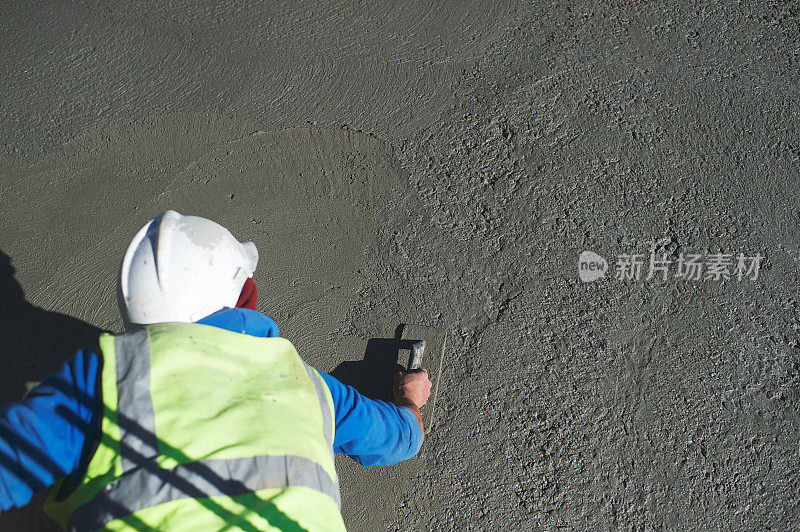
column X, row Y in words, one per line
column 145, row 484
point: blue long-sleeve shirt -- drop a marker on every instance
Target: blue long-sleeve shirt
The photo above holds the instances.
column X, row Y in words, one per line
column 45, row 436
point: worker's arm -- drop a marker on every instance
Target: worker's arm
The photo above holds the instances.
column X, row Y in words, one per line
column 369, row 431
column 42, row 436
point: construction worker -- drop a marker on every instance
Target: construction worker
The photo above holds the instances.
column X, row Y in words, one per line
column 199, row 416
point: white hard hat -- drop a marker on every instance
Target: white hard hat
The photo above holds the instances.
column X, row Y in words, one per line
column 182, row 268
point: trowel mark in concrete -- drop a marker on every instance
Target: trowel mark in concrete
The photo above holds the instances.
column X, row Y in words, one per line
column 385, row 67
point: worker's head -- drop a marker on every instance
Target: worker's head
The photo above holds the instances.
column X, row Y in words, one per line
column 182, row 268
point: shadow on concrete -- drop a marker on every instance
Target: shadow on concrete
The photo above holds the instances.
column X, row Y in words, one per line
column 33, row 341
column 373, row 375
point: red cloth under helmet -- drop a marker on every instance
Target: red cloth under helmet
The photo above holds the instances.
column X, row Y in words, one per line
column 249, row 295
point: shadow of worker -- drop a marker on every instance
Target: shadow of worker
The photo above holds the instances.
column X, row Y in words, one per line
column 33, row 341
column 373, row 375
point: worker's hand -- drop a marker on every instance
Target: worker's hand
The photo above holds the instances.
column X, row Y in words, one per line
column 412, row 387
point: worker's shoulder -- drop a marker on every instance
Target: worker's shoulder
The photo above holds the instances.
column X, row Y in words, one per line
column 196, row 333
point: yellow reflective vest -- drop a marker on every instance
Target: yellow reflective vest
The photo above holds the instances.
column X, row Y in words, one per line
column 206, row 429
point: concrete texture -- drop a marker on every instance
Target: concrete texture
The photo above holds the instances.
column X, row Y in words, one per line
column 446, row 163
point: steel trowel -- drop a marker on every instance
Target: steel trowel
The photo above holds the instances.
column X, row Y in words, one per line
column 425, row 346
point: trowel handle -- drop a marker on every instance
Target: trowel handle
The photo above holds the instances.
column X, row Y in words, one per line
column 415, row 360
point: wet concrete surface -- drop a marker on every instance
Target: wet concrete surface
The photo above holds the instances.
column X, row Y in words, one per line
column 447, row 163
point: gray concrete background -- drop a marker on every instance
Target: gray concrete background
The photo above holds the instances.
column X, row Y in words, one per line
column 447, row 162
